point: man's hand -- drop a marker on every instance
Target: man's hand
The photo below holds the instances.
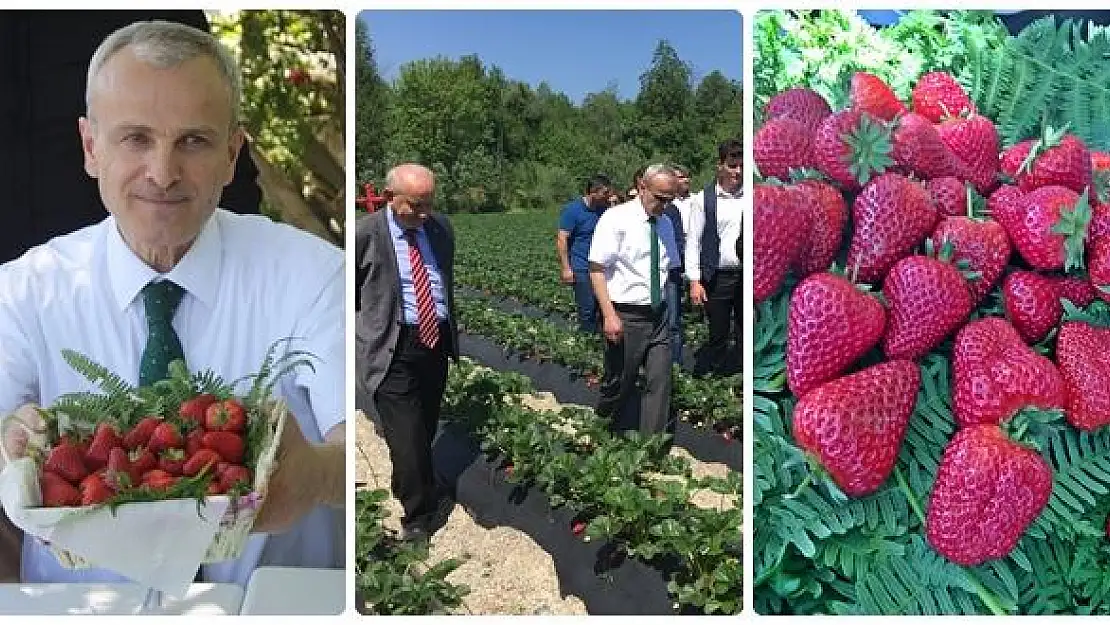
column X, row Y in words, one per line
column 613, row 328
column 304, row 477
column 17, row 429
column 567, row 276
column 697, row 293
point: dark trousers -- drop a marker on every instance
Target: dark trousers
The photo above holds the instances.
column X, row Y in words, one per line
column 646, row 343
column 408, row 404
column 674, row 315
column 724, row 313
column 586, row 301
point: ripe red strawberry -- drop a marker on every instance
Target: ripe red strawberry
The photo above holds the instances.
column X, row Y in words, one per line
column 66, row 460
column 782, row 145
column 800, row 104
column 1006, row 204
column 172, row 461
column 1077, row 290
column 1013, row 157
column 987, row 491
column 928, row 299
column 233, row 475
column 1083, row 354
column 95, row 490
column 1051, row 231
column 142, row 460
column 225, row 416
column 1057, row 159
column 974, row 140
column 195, row 409
column 854, row 425
column 869, row 93
column 892, row 216
column 829, row 213
column 850, row 147
column 121, row 474
column 205, row 459
column 1098, row 267
column 213, row 489
column 105, row 438
column 139, row 435
column 165, row 436
column 1032, row 304
column 937, row 95
column 995, row 375
column 57, row 492
column 918, row 150
column 782, row 229
column 228, row 445
column 982, row 243
column 1100, row 221
column 831, row 325
column 1100, row 160
column 82, row 445
column 194, row 441
column 950, row 196
column 158, row 479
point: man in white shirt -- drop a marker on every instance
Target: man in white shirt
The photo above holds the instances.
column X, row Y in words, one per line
column 712, row 264
column 161, row 138
column 632, row 251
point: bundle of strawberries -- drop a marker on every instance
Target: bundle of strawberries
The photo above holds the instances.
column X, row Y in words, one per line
column 933, row 177
column 201, row 450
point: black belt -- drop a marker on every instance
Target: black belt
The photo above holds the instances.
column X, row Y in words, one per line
column 639, row 309
column 730, row 269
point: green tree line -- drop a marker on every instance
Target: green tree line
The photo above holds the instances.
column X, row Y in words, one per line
column 499, row 144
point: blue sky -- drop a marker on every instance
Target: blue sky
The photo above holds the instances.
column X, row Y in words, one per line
column 576, row 52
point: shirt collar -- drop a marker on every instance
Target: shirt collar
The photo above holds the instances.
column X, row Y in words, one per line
column 198, row 272
column 395, row 228
column 725, row 194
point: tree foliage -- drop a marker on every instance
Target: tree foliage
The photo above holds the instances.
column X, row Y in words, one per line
column 498, row 144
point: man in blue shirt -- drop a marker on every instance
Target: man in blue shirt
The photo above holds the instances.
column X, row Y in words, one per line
column 576, row 232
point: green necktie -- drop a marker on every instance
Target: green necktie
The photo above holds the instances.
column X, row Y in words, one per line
column 656, row 296
column 162, row 345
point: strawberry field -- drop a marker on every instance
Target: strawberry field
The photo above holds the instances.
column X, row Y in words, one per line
column 931, row 278
column 630, row 509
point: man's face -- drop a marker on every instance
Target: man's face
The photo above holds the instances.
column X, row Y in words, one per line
column 412, row 200
column 599, row 197
column 160, row 144
column 730, row 173
column 683, row 183
column 657, row 192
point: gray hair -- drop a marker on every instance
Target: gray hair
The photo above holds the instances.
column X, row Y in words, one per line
column 165, row 45
column 654, row 170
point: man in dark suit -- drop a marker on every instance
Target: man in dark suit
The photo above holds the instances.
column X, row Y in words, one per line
column 406, row 331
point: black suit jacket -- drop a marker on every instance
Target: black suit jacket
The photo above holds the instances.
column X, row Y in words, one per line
column 379, row 312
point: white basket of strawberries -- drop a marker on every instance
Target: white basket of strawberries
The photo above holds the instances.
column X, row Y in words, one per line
column 151, row 481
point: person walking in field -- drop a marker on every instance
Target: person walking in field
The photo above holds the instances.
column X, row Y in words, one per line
column 632, row 252
column 712, row 264
column 678, row 212
column 576, row 230
column 405, row 333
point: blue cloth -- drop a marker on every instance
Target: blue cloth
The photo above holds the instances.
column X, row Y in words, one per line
column 671, row 211
column 408, row 291
column 579, row 221
column 586, row 301
column 710, row 238
column 674, row 318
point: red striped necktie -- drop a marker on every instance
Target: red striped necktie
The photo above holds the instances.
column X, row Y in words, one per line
column 425, row 304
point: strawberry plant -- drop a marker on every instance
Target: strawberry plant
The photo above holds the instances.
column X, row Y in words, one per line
column 386, row 578
column 625, row 490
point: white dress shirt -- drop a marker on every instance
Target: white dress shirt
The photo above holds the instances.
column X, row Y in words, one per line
column 730, row 215
column 685, row 206
column 249, row 282
column 622, row 245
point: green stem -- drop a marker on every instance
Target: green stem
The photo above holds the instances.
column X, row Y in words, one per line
column 805, row 484
column 910, row 497
column 986, row 596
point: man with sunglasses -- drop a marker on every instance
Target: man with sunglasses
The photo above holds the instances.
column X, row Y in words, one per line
column 406, row 331
column 712, row 264
column 632, row 252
